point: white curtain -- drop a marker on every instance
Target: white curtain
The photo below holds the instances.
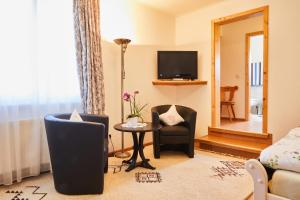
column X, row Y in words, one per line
column 37, row 76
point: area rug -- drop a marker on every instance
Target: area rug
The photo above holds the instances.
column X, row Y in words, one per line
column 148, row 177
column 207, row 176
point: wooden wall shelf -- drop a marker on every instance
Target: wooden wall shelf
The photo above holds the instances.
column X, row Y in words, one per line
column 179, row 82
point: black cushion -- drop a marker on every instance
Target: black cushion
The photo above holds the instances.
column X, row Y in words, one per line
column 174, row 130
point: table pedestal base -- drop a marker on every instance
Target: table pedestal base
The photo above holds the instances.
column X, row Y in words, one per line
column 138, row 146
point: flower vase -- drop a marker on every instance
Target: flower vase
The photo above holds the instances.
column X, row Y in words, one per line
column 132, row 121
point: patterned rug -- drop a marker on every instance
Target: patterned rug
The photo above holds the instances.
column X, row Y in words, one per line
column 207, row 176
column 24, row 193
column 148, row 177
column 230, row 168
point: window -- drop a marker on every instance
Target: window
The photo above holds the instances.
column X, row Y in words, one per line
column 38, row 72
column 37, row 47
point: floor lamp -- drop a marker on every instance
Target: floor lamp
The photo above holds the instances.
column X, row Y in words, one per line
column 123, row 43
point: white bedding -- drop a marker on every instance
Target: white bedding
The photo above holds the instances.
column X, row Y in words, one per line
column 284, row 154
column 286, row 184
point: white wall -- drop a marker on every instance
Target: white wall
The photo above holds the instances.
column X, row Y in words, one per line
column 256, row 55
column 284, row 70
column 233, row 49
column 256, row 48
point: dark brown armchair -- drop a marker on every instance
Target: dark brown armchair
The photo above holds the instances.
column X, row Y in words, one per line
column 178, row 137
column 78, row 152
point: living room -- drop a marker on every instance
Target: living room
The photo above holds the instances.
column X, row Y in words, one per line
column 151, row 26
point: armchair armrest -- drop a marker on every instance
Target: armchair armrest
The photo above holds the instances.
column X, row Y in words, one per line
column 260, row 179
column 98, row 119
column 190, row 120
column 155, row 117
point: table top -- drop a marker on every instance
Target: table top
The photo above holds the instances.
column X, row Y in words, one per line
column 147, row 128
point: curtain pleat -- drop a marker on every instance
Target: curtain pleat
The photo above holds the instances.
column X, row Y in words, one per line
column 88, row 52
column 37, row 77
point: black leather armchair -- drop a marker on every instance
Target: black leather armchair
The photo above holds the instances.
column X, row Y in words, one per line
column 180, row 136
column 78, row 152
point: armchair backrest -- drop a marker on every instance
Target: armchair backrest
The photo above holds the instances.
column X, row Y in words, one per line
column 182, row 110
column 227, row 92
column 103, row 119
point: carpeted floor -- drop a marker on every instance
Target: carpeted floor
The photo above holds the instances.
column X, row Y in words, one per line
column 208, row 176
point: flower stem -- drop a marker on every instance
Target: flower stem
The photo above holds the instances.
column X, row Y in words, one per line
column 130, row 106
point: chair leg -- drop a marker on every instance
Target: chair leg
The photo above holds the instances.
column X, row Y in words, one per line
column 191, row 150
column 156, row 150
column 232, row 111
column 229, row 112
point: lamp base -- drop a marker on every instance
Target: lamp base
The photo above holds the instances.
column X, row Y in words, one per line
column 122, row 154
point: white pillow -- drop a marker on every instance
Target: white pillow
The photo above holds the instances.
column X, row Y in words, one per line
column 171, row 117
column 75, row 117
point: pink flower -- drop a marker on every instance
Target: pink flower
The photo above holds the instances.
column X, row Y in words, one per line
column 126, row 96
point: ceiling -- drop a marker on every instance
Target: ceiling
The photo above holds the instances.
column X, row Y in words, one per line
column 177, row 7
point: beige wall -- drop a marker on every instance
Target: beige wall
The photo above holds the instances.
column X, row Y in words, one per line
column 192, row 32
column 284, row 84
column 149, row 30
column 140, row 70
column 233, row 49
column 141, row 24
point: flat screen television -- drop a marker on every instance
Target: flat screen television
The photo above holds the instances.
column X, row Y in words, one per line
column 177, row 64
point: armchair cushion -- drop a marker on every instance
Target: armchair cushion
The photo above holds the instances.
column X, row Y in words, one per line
column 171, row 117
column 174, row 130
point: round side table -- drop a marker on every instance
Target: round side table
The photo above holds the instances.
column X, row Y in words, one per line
column 138, row 144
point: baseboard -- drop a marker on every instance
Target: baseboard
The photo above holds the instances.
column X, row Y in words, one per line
column 234, row 119
column 197, row 143
column 228, row 150
column 111, row 154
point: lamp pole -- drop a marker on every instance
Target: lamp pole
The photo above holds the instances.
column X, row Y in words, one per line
column 123, row 42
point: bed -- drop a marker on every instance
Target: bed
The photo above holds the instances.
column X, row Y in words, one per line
column 276, row 174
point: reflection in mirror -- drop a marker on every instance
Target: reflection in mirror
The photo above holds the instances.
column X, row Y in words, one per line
column 241, row 75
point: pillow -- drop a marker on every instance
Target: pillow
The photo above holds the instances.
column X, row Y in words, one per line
column 75, row 117
column 171, row 117
column 295, row 132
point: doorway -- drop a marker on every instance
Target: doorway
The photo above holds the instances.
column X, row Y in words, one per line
column 251, row 79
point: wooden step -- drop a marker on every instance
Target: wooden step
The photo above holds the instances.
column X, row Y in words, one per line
column 249, row 149
column 263, row 138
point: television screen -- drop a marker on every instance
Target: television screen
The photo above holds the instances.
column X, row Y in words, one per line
column 177, row 64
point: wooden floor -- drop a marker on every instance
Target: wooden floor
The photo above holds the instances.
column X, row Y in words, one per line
column 253, row 125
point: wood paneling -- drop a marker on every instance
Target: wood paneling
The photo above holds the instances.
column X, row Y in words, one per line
column 241, row 135
column 240, row 16
column 234, row 142
column 266, row 69
column 179, row 82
